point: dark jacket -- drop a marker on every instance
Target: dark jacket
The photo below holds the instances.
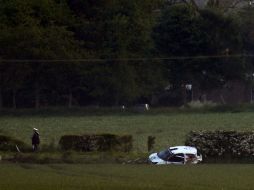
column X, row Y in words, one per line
column 36, row 138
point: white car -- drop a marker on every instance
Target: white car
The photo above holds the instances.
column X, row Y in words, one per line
column 176, row 155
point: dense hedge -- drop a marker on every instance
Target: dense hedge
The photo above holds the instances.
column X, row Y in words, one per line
column 223, row 144
column 10, row 144
column 96, row 142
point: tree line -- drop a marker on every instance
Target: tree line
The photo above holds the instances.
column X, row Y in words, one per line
column 107, row 52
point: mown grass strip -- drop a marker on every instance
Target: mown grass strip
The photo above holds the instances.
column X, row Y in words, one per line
column 108, row 176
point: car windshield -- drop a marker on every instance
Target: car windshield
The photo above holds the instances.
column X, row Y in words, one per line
column 165, row 154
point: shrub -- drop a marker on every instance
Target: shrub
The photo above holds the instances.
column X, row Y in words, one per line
column 96, row 142
column 124, row 143
column 74, row 142
column 10, row 144
column 150, row 143
column 105, row 142
column 223, row 144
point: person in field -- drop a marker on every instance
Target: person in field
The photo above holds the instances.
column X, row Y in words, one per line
column 35, row 139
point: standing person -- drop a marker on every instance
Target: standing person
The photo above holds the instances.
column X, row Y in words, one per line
column 35, row 139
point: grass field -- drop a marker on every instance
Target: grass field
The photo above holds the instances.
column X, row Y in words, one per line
column 134, row 177
column 169, row 128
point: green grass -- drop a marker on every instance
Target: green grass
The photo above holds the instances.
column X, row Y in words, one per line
column 134, row 177
column 169, row 128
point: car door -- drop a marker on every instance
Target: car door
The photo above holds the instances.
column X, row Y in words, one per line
column 176, row 159
column 190, row 158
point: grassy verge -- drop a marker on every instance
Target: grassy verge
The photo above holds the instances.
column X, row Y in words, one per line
column 72, row 157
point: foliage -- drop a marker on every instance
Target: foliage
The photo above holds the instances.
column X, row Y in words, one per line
column 98, row 142
column 29, row 28
column 223, row 144
column 245, row 17
column 10, row 144
column 63, row 30
column 220, row 33
column 182, row 32
column 177, row 33
column 42, row 42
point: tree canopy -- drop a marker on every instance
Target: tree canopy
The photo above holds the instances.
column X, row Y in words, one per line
column 106, row 52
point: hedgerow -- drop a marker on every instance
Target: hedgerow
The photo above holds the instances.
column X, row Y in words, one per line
column 223, row 144
column 96, row 142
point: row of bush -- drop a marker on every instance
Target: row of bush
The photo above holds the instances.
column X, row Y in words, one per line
column 87, row 142
column 212, row 144
column 11, row 144
column 96, row 142
column 223, row 144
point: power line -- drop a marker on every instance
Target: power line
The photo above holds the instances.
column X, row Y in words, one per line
column 128, row 59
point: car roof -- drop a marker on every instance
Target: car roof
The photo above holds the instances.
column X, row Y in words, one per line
column 183, row 149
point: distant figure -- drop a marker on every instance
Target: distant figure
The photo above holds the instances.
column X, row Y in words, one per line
column 35, row 139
